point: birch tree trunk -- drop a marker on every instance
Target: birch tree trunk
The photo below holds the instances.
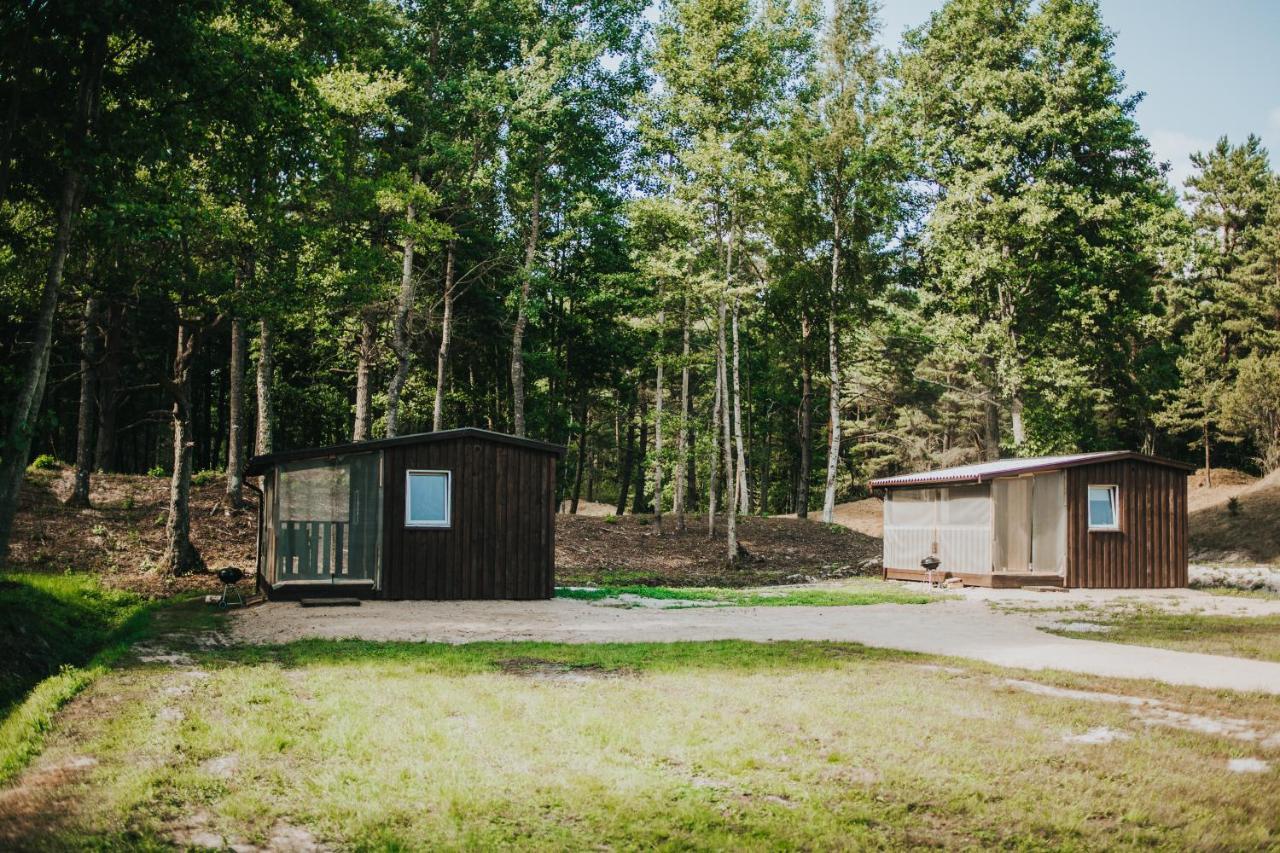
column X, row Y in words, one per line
column 84, row 422
column 24, row 410
column 713, row 482
column 744, row 496
column 400, row 328
column 657, row 421
column 180, row 555
column 266, row 374
column 522, row 308
column 806, row 421
column 446, row 337
column 730, row 479
column 365, row 353
column 235, row 410
column 833, row 355
column 682, row 444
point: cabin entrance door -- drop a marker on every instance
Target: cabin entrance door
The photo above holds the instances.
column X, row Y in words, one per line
column 1013, row 524
column 327, row 516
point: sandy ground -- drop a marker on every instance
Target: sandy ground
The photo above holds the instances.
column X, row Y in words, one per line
column 966, row 627
column 865, row 516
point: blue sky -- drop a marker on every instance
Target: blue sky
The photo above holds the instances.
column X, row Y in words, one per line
column 1208, row 67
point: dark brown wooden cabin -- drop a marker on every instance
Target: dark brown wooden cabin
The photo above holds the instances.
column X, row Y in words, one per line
column 457, row 514
column 1114, row 520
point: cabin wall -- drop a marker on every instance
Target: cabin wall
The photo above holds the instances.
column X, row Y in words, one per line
column 1150, row 549
column 501, row 542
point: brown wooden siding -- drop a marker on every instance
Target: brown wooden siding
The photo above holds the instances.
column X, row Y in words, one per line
column 501, row 540
column 1150, row 549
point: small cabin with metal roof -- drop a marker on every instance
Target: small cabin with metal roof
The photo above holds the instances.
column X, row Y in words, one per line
column 455, row 514
column 1114, row 519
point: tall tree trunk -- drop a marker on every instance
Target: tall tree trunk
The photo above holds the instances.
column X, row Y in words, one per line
column 180, row 555
column 25, row 407
column 991, row 419
column 639, row 502
column 235, row 417
column 730, row 478
column 400, row 328
column 682, row 442
column 744, row 495
column 713, row 480
column 1208, row 469
column 84, row 422
column 1015, row 414
column 266, row 375
column 366, row 349
column 446, row 339
column 104, row 451
column 522, row 307
column 657, row 421
column 833, row 355
column 806, row 421
column 624, row 472
column 584, row 414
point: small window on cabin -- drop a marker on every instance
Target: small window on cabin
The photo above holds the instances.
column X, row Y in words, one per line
column 1104, row 508
column 427, row 498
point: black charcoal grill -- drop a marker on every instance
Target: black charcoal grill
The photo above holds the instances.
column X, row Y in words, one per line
column 230, row 576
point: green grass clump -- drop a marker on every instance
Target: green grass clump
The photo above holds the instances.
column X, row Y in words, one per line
column 1256, row 637
column 44, row 462
column 204, row 478
column 870, row 592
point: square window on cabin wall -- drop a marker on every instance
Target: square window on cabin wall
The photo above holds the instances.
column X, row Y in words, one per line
column 1104, row 508
column 427, row 497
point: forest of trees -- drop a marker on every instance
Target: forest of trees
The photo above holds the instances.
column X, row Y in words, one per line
column 734, row 254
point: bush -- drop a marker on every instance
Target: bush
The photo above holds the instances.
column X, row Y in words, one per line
column 157, row 471
column 204, row 478
column 44, row 462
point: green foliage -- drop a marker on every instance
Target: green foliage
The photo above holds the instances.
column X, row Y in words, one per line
column 44, row 462
column 157, row 471
column 204, row 478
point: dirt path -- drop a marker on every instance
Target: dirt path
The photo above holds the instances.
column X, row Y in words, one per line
column 966, row 628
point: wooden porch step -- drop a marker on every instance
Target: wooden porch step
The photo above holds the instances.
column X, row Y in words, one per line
column 329, row 602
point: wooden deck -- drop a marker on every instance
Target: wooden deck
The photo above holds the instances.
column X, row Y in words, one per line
column 994, row 580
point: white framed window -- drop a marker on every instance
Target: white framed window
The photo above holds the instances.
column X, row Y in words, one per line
column 428, row 496
column 1104, row 507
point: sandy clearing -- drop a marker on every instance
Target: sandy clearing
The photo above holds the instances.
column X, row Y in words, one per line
column 965, row 628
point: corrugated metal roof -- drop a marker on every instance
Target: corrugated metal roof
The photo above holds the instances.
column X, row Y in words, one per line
column 981, row 472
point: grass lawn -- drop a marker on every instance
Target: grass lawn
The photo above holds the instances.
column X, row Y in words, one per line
column 688, row 745
column 1237, row 636
column 852, row 592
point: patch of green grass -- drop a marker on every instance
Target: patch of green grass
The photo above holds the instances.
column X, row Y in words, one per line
column 726, row 745
column 55, row 620
column 59, row 632
column 1256, row 637
column 865, row 592
column 1232, row 592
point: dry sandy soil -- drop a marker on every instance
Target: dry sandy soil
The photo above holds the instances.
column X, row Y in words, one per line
column 630, row 550
column 1248, row 535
